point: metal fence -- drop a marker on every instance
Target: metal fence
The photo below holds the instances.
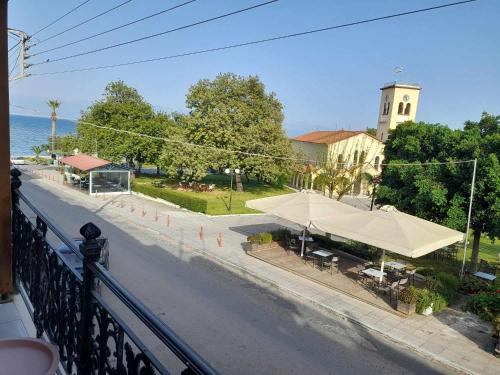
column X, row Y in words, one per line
column 68, row 311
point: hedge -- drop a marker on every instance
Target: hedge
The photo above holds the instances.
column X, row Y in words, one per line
column 179, row 198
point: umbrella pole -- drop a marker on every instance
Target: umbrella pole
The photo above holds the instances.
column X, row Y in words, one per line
column 382, row 266
column 303, row 241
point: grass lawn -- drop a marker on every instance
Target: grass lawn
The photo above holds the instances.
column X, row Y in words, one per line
column 218, row 200
column 487, row 250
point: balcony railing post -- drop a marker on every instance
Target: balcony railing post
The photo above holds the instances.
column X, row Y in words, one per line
column 91, row 252
column 15, row 184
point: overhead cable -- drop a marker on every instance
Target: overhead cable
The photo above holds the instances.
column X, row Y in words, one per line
column 214, row 148
column 83, row 22
column 260, row 41
column 158, row 34
column 60, row 18
column 115, row 28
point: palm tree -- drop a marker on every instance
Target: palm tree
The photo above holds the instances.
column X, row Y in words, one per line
column 54, row 105
column 37, row 150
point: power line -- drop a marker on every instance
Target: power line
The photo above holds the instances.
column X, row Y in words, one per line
column 159, row 34
column 271, row 39
column 14, row 46
column 15, row 64
column 214, row 148
column 60, row 18
column 84, row 22
column 417, row 163
column 168, row 140
column 115, row 28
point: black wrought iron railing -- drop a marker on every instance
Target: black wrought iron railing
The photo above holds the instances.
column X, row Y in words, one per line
column 66, row 308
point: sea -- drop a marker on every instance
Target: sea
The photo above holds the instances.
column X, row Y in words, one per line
column 29, row 131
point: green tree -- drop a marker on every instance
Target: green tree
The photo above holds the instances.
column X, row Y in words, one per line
column 440, row 193
column 37, row 150
column 233, row 113
column 66, row 144
column 371, row 131
column 54, row 105
column 341, row 170
column 124, row 109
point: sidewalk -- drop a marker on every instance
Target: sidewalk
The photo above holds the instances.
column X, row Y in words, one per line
column 457, row 340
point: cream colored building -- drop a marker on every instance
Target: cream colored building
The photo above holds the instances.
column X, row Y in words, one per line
column 342, row 146
column 398, row 103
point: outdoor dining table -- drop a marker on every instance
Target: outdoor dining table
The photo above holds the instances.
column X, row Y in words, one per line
column 322, row 255
column 486, row 276
column 374, row 273
column 395, row 265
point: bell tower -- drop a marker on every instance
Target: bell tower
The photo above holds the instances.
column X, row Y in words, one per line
column 398, row 103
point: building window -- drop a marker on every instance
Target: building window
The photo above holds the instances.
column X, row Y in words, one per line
column 385, row 106
column 400, row 108
column 382, row 136
column 356, row 157
column 362, row 157
column 377, row 162
column 388, row 106
column 407, row 109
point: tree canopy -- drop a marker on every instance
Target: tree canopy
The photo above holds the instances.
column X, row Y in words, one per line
column 440, row 193
column 230, row 113
column 124, row 109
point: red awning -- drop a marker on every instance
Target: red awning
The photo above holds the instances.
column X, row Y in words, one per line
column 84, row 162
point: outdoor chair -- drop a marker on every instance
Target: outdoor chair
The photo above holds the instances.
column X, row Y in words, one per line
column 332, row 262
column 308, row 255
column 392, row 275
column 292, row 244
column 411, row 276
column 362, row 277
column 401, row 284
column 211, row 187
column 391, row 289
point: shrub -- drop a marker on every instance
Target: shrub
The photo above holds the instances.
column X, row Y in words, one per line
column 253, row 239
column 260, row 238
column 448, row 280
column 280, row 234
column 439, row 302
column 409, row 295
column 473, row 285
column 485, row 304
column 496, row 326
column 265, row 238
column 179, row 198
column 424, row 300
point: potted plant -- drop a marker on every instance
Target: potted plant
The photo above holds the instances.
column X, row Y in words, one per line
column 424, row 303
column 407, row 300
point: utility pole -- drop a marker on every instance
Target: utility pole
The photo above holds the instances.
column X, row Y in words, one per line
column 462, row 271
column 22, row 52
column 5, row 199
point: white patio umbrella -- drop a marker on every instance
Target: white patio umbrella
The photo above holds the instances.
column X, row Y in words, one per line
column 391, row 230
column 303, row 208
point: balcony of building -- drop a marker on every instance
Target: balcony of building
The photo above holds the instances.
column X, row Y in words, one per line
column 64, row 296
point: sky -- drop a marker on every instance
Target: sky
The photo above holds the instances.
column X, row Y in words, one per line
column 326, row 81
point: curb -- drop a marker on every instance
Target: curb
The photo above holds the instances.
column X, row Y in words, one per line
column 230, row 265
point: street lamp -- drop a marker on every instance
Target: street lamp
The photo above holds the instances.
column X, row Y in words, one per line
column 231, row 173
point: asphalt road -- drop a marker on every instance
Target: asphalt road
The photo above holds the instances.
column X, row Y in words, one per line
column 237, row 324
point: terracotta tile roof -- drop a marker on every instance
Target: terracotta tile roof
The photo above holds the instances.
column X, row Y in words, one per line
column 84, row 162
column 327, row 136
